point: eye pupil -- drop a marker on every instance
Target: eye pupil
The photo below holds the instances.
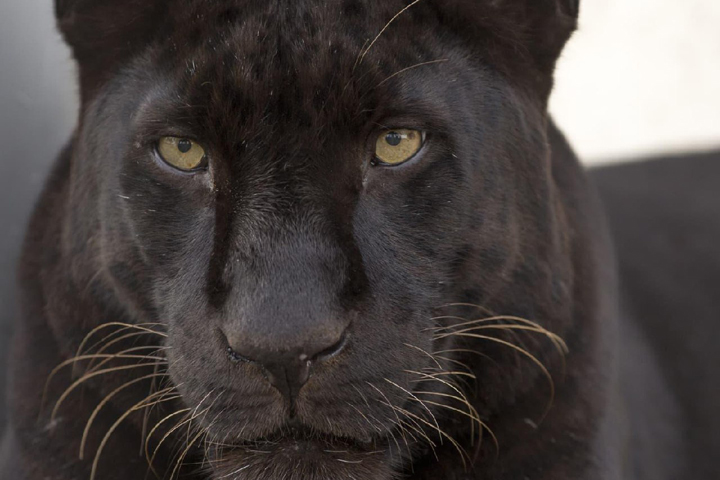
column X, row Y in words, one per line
column 393, row 139
column 184, row 145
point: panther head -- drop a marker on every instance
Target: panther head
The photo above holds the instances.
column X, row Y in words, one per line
column 342, row 219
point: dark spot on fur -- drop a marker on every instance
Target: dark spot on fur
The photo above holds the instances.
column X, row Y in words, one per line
column 493, row 257
column 228, row 16
column 310, row 25
column 354, row 8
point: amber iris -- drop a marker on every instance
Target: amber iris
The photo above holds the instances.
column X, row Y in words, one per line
column 182, row 153
column 394, row 147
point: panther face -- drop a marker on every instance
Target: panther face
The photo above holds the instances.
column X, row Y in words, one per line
column 341, row 215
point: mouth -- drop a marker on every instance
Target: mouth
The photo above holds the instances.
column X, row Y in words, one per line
column 300, row 438
column 296, row 451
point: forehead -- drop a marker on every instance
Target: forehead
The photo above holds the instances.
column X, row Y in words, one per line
column 297, row 25
column 305, row 56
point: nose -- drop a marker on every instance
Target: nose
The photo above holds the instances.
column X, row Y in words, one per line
column 288, row 369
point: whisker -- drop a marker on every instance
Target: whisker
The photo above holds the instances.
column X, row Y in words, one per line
column 462, row 398
column 526, row 354
column 397, row 417
column 141, row 326
column 357, row 60
column 495, row 318
column 124, row 327
column 104, row 339
column 456, row 373
column 87, row 377
column 557, row 341
column 367, row 420
column 479, row 324
column 470, row 305
column 464, row 322
column 432, row 357
column 456, row 362
column 235, row 472
column 183, row 421
column 465, row 350
column 473, row 418
column 185, row 452
column 148, row 410
column 411, row 395
column 117, row 423
column 115, row 341
column 189, row 418
column 379, row 423
column 154, row 350
column 414, row 426
column 559, row 344
column 152, row 432
column 458, row 447
column 107, row 337
column 455, row 388
column 422, row 64
column 203, row 401
column 104, row 402
column 365, row 52
column 122, row 355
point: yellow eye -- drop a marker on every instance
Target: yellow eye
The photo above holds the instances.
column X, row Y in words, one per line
column 394, row 147
column 181, row 153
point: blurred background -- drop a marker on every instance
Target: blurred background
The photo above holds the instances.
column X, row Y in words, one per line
column 640, row 77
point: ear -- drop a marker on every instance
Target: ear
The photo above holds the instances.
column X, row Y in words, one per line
column 104, row 34
column 521, row 37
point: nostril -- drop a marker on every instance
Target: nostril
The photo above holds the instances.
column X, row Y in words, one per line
column 233, row 355
column 332, row 350
column 321, row 356
column 236, row 357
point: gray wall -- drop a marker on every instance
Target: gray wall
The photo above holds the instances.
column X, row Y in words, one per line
column 37, row 114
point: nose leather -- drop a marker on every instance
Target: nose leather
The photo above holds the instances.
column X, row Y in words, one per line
column 289, row 370
column 287, row 375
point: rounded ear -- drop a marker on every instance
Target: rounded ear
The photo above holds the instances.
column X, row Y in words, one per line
column 104, row 34
column 549, row 24
column 522, row 38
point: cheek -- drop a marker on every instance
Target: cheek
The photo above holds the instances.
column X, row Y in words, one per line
column 409, row 236
column 172, row 216
column 197, row 355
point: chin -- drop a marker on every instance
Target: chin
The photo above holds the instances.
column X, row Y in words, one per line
column 302, row 456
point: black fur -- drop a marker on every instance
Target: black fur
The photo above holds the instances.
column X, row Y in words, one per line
column 294, row 236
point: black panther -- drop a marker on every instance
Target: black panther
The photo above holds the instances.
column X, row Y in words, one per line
column 330, row 240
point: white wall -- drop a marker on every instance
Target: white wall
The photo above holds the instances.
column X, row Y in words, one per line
column 641, row 76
